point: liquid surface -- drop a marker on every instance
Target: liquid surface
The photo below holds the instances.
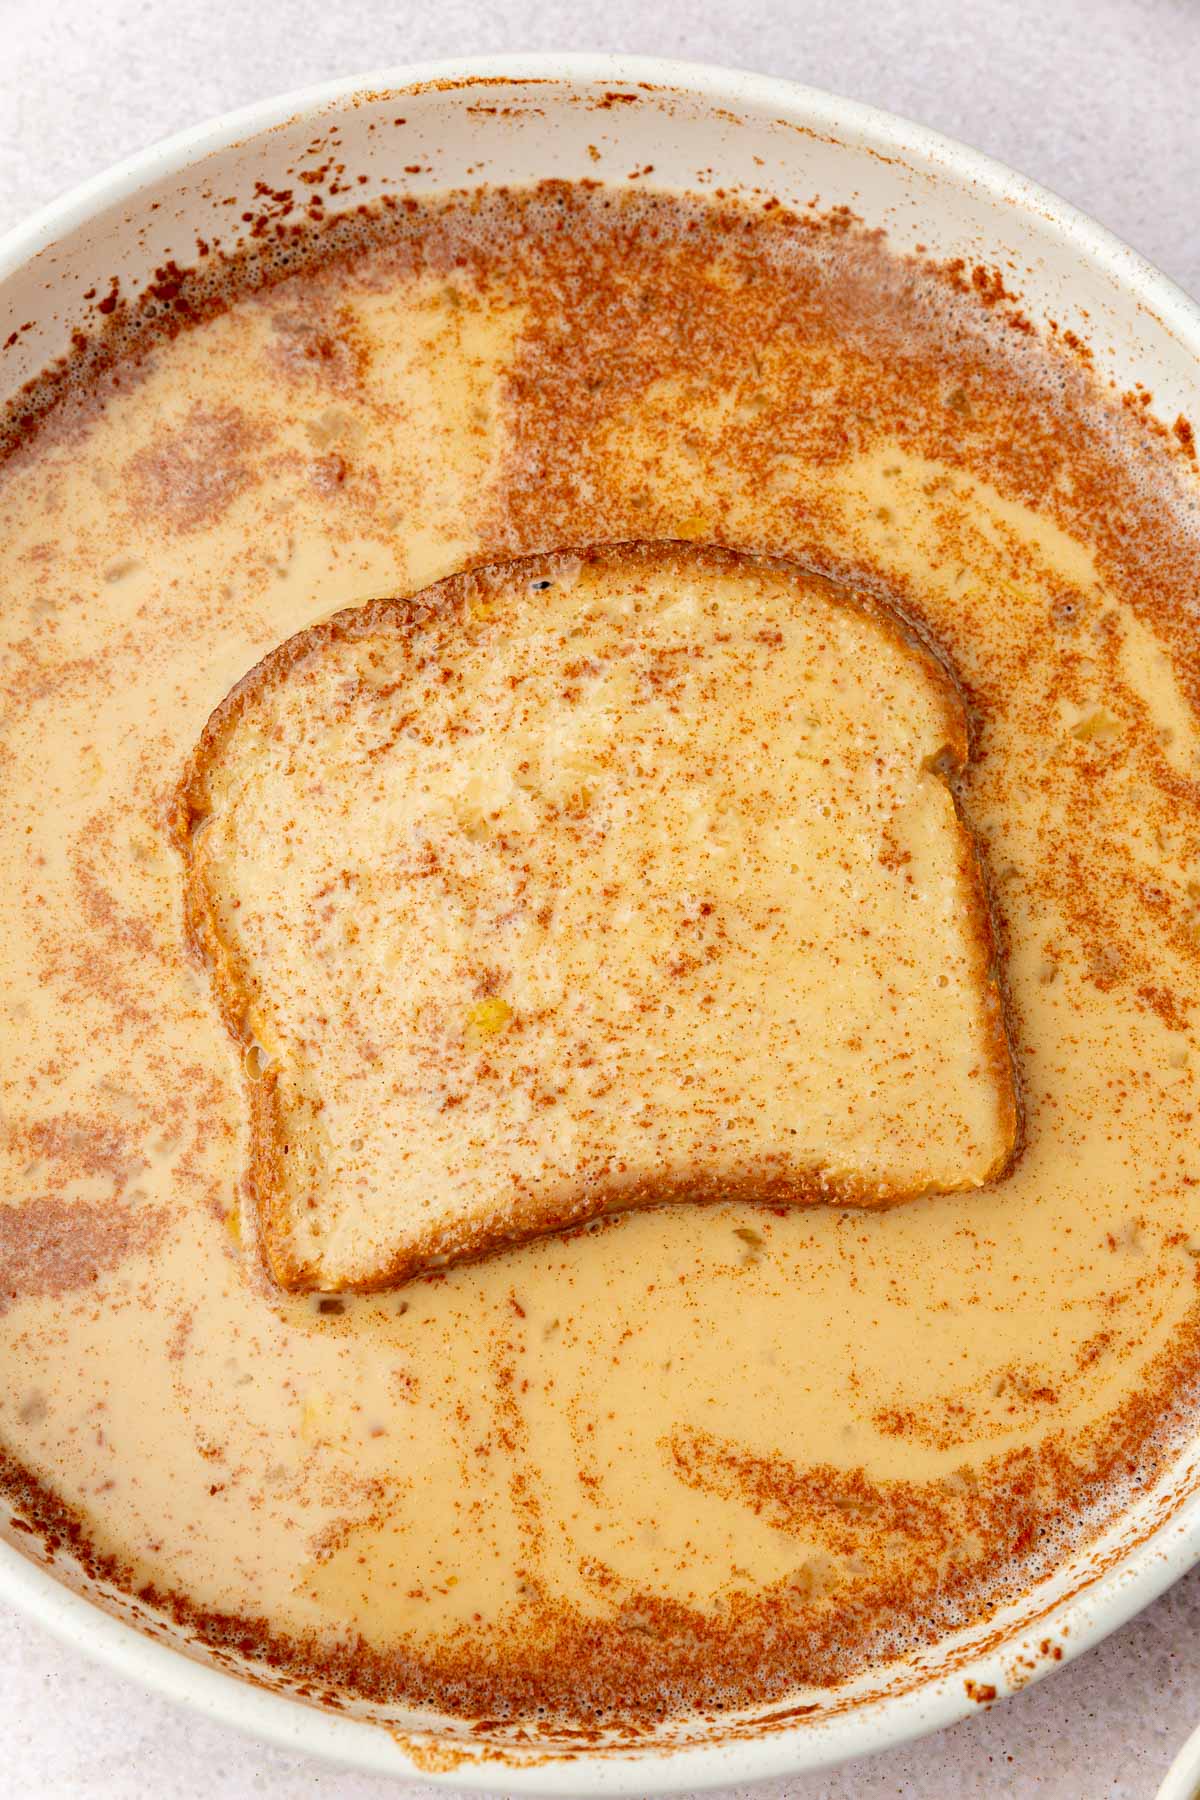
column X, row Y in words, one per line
column 693, row 1455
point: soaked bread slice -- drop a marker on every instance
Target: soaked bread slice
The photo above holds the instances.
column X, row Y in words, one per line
column 588, row 881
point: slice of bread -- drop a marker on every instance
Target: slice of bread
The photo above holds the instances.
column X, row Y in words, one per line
column 588, row 881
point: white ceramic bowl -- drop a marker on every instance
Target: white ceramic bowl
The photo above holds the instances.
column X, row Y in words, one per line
column 1183, row 1777
column 536, row 117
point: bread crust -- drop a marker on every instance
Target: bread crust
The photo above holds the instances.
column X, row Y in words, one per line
column 528, row 1215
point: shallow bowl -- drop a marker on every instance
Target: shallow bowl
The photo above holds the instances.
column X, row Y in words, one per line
column 622, row 120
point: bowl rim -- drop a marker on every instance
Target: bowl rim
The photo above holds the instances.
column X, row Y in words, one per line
column 1149, row 1566
column 1182, row 1779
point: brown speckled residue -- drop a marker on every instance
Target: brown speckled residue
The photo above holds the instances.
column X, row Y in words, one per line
column 49, row 1247
column 193, row 469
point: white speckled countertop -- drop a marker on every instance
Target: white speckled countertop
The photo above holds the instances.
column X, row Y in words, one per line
column 1098, row 99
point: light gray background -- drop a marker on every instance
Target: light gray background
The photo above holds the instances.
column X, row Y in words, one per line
column 1098, row 99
